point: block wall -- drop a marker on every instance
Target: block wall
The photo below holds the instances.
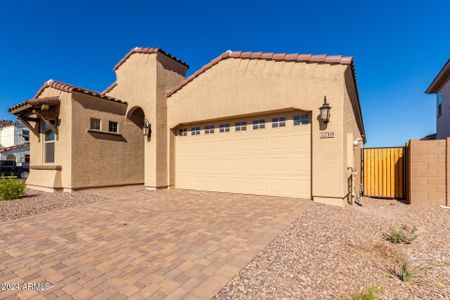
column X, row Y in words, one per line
column 428, row 165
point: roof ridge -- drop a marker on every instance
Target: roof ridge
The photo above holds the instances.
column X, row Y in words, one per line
column 148, row 50
column 311, row 58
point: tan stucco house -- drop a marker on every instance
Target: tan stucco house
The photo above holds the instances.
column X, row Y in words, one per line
column 441, row 88
column 246, row 122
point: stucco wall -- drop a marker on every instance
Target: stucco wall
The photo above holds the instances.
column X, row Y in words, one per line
column 142, row 81
column 241, row 86
column 63, row 144
column 443, row 122
column 428, row 165
column 353, row 132
column 102, row 159
column 12, row 135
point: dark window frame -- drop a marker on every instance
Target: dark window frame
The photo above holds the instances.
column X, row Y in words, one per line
column 115, row 127
column 259, row 124
column 91, row 123
column 195, row 131
column 225, row 127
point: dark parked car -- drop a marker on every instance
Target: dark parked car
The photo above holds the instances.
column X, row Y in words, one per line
column 9, row 168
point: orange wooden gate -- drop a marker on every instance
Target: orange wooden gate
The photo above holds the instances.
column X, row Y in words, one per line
column 384, row 172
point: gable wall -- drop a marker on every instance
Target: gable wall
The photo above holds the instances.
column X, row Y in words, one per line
column 240, row 86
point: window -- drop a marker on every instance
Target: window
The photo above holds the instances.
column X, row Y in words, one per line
column 182, row 132
column 209, row 129
column 95, row 124
column 259, row 124
column 224, row 127
column 113, row 126
column 49, row 143
column 241, row 126
column 439, row 105
column 301, row 119
column 195, row 130
column 279, row 122
column 25, row 135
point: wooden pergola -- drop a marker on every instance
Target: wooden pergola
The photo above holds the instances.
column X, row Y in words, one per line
column 35, row 110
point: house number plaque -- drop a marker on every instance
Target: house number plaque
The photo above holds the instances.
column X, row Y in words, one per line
column 327, row 135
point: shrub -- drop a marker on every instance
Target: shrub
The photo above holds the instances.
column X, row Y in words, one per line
column 401, row 235
column 370, row 293
column 11, row 188
column 405, row 271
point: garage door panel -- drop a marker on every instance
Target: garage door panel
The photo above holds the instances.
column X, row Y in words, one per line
column 270, row 161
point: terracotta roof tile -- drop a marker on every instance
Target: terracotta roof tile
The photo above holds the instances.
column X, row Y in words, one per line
column 36, row 102
column 256, row 55
column 65, row 88
column 7, row 123
column 267, row 55
column 304, row 57
column 73, row 88
column 335, row 59
column 279, row 56
column 246, row 54
column 291, row 57
column 318, row 58
column 20, row 146
column 148, row 51
column 308, row 58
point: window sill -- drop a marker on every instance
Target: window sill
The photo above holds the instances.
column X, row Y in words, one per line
column 46, row 167
column 104, row 132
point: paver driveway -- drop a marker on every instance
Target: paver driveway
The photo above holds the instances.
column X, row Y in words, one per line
column 141, row 244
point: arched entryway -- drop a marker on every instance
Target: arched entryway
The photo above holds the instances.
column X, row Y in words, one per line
column 136, row 120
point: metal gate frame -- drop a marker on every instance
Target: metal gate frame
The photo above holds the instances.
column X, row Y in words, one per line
column 404, row 181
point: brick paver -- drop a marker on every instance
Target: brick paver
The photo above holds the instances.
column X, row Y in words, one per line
column 167, row 244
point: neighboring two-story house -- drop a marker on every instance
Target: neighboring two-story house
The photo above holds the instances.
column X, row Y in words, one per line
column 441, row 87
column 14, row 142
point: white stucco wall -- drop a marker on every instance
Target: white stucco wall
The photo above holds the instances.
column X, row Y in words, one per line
column 19, row 154
column 12, row 135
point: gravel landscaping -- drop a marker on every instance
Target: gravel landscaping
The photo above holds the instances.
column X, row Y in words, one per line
column 333, row 252
column 36, row 202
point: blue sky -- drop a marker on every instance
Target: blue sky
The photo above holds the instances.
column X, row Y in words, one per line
column 398, row 46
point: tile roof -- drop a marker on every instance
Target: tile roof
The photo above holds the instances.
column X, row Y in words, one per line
column 36, row 102
column 148, row 51
column 440, row 79
column 5, row 149
column 309, row 58
column 65, row 88
column 7, row 123
column 328, row 59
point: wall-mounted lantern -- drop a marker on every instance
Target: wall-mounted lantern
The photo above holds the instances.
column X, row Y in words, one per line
column 325, row 111
column 147, row 128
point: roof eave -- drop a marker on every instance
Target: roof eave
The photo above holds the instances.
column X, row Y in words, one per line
column 33, row 103
column 440, row 80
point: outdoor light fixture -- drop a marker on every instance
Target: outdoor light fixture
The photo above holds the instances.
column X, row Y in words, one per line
column 325, row 111
column 146, row 129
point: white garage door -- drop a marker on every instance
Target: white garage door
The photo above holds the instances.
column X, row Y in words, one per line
column 273, row 161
